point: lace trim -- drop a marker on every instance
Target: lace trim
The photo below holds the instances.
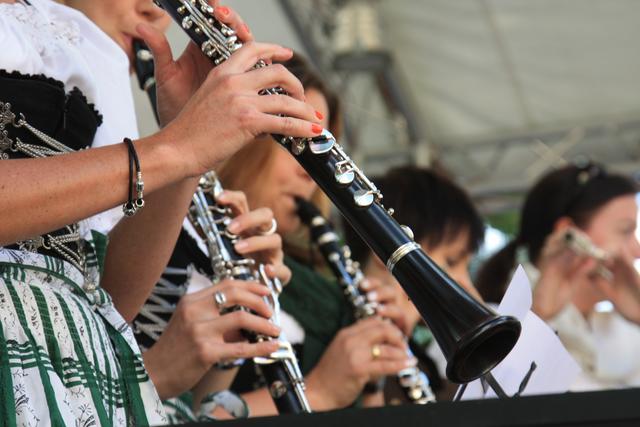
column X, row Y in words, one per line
column 35, row 77
column 44, row 33
column 76, row 91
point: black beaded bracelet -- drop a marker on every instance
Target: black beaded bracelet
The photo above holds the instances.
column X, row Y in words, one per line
column 131, row 207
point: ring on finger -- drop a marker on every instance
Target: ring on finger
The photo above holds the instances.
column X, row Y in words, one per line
column 220, row 299
column 376, row 351
column 272, row 229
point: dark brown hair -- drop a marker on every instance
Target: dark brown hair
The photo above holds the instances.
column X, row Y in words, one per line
column 576, row 192
column 435, row 208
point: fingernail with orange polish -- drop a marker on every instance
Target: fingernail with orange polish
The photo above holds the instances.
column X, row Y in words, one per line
column 224, row 11
column 319, row 115
column 316, row 128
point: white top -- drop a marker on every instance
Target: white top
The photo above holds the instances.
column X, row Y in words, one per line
column 62, row 43
column 605, row 345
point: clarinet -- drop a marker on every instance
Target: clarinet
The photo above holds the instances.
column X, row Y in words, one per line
column 412, row 380
column 473, row 338
column 145, row 71
column 280, row 369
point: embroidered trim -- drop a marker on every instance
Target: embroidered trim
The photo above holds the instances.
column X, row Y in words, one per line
column 43, row 32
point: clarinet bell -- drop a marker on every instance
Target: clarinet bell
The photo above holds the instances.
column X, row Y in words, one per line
column 472, row 337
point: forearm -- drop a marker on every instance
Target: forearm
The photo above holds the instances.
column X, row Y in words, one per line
column 260, row 403
column 140, row 247
column 41, row 195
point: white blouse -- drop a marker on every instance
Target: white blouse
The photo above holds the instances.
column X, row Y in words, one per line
column 605, row 344
column 62, row 43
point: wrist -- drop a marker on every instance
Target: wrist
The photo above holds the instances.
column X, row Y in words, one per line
column 319, row 399
column 172, row 157
column 154, row 371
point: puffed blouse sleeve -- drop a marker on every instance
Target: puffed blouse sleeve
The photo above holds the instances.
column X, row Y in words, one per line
column 20, row 51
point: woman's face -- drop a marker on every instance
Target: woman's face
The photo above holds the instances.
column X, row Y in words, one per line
column 453, row 257
column 119, row 18
column 613, row 228
column 285, row 179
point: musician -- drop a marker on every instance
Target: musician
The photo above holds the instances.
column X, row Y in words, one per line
column 569, row 284
column 449, row 229
column 67, row 353
column 337, row 357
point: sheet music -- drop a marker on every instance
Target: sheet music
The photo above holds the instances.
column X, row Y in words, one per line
column 555, row 369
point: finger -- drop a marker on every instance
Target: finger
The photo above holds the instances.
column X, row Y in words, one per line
column 383, row 332
column 244, row 350
column 272, row 242
column 389, row 367
column 282, row 104
column 389, row 352
column 230, row 17
column 579, row 264
column 236, row 200
column 159, row 45
column 290, row 126
column 207, row 294
column 371, row 284
column 238, row 320
column 281, row 272
column 276, row 75
column 258, row 219
column 383, row 295
column 236, row 296
column 245, row 58
column 394, row 313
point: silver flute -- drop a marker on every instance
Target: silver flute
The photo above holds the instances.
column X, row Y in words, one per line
column 413, row 381
column 473, row 338
column 280, row 369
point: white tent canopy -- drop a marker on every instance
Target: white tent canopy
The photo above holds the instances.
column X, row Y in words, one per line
column 503, row 89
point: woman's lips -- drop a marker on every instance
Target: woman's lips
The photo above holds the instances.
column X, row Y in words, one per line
column 127, row 43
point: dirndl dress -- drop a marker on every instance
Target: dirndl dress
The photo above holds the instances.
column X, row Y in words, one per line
column 67, row 357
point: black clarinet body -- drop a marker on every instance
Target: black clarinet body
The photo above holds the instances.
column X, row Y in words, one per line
column 414, row 383
column 145, row 72
column 473, row 338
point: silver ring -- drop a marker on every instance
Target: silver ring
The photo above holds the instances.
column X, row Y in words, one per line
column 272, row 229
column 220, row 299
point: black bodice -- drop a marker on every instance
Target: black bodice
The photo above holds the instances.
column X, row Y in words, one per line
column 44, row 104
column 65, row 116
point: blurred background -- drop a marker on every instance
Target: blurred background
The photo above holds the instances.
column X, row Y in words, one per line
column 495, row 92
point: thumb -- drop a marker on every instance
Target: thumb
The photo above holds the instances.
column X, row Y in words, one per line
column 159, row 45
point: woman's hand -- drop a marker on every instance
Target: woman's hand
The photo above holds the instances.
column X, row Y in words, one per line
column 250, row 226
column 228, row 112
column 177, row 80
column 389, row 303
column 562, row 272
column 622, row 288
column 349, row 363
column 197, row 336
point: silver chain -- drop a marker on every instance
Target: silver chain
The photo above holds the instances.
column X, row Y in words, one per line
column 8, row 117
column 58, row 244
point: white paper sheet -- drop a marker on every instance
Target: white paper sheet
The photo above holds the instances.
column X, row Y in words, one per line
column 556, row 370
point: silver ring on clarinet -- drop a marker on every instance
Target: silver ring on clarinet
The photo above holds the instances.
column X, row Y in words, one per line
column 220, row 299
column 272, row 229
